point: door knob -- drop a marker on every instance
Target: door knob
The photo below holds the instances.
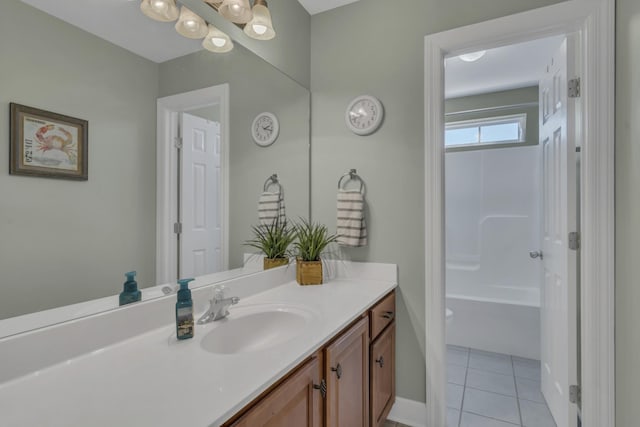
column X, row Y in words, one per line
column 380, row 361
column 536, row 254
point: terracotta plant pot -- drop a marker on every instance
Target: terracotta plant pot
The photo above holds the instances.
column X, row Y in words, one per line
column 309, row 272
column 274, row 262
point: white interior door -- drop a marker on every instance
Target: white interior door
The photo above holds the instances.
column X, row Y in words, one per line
column 558, row 309
column 200, row 243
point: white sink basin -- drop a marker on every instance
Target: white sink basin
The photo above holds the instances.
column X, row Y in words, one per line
column 253, row 328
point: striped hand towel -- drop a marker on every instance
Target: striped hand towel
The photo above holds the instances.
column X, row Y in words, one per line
column 271, row 208
column 352, row 228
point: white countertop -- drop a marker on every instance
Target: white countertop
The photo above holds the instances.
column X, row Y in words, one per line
column 155, row 380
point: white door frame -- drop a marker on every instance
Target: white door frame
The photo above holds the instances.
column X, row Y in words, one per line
column 167, row 174
column 594, row 19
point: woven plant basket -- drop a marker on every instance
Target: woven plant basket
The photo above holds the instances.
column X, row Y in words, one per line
column 274, row 262
column 309, row 272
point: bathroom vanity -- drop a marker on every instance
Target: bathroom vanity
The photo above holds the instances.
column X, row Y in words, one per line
column 273, row 358
column 349, row 382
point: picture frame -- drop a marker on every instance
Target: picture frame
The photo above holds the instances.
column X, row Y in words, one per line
column 47, row 144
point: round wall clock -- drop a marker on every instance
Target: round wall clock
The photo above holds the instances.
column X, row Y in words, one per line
column 265, row 129
column 364, row 115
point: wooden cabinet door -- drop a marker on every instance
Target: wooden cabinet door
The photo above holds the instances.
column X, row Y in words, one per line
column 295, row 402
column 347, row 375
column 383, row 378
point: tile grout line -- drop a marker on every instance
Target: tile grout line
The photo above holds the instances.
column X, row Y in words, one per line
column 464, row 388
column 515, row 384
column 495, row 392
column 512, row 359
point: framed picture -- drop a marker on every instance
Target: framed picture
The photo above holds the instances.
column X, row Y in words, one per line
column 47, row 144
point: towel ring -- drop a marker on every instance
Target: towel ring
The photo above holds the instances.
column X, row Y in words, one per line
column 351, row 176
column 272, row 180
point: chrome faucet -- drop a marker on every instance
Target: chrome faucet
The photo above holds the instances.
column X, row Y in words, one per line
column 219, row 305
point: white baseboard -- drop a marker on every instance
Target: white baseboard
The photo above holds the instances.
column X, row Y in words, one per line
column 409, row 412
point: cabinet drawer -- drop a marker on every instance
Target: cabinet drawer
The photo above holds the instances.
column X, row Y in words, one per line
column 382, row 314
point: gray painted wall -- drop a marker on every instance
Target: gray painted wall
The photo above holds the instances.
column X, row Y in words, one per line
column 627, row 211
column 512, row 99
column 211, row 113
column 64, row 241
column 351, row 56
column 254, row 87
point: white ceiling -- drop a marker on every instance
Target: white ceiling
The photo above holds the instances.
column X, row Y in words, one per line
column 121, row 23
column 317, row 6
column 502, row 68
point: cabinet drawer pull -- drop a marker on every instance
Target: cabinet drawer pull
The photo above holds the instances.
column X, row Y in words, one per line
column 337, row 370
column 380, row 361
column 388, row 315
column 322, row 387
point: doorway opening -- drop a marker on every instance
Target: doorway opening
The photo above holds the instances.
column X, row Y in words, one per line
column 193, row 184
column 593, row 23
column 506, row 200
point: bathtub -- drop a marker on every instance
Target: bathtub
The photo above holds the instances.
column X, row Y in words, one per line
column 501, row 319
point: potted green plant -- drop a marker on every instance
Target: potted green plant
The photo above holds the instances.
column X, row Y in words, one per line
column 312, row 240
column 274, row 242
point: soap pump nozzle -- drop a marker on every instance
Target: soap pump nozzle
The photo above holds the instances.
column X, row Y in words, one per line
column 184, row 293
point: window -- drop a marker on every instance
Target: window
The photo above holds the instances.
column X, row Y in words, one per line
column 487, row 131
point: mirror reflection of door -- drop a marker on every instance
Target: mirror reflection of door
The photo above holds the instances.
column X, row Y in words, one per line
column 199, row 206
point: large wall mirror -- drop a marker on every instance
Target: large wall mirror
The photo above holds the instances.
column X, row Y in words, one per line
column 70, row 242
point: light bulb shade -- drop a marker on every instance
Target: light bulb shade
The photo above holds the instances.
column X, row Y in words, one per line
column 217, row 41
column 191, row 25
column 260, row 27
column 160, row 10
column 236, row 11
column 473, row 56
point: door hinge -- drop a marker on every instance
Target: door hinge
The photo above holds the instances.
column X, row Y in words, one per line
column 177, row 142
column 574, row 240
column 575, row 394
column 322, row 387
column 177, row 228
column 574, row 88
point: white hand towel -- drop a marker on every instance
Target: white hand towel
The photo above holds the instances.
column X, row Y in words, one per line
column 351, row 227
column 271, row 208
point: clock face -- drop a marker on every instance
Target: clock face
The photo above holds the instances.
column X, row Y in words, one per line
column 364, row 115
column 265, row 129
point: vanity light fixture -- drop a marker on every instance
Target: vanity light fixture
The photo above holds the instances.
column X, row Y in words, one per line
column 160, row 10
column 260, row 27
column 217, row 41
column 191, row 25
column 473, row 56
column 236, row 11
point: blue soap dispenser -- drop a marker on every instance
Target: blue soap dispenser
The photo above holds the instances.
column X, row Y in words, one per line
column 184, row 311
column 130, row 293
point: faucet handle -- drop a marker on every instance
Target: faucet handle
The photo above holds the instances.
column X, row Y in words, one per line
column 218, row 292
